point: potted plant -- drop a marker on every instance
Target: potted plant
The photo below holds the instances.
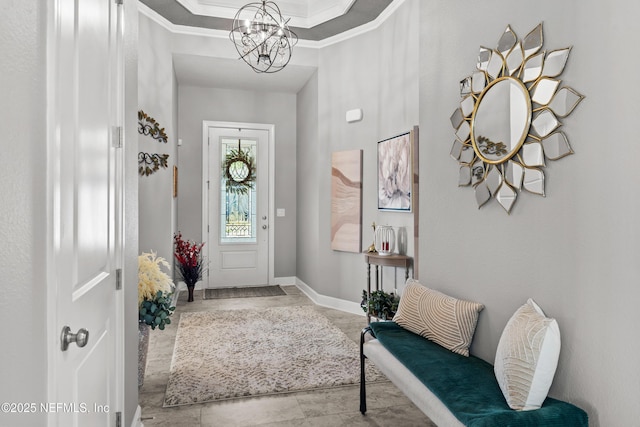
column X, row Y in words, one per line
column 154, row 302
column 380, row 304
column 190, row 262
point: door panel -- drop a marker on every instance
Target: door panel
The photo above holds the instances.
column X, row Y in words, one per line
column 238, row 259
column 85, row 191
column 96, row 359
column 238, row 221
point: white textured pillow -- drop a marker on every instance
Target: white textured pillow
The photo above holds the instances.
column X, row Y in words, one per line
column 440, row 318
column 527, row 357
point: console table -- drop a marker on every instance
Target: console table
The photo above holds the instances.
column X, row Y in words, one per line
column 380, row 261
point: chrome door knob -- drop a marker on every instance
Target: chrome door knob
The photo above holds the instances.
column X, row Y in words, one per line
column 81, row 338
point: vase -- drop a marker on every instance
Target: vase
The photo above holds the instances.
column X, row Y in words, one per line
column 385, row 240
column 190, row 289
column 143, row 348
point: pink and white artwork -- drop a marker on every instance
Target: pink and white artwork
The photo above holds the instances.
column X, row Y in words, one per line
column 346, row 201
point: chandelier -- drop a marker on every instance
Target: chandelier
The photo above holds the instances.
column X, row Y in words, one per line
column 262, row 37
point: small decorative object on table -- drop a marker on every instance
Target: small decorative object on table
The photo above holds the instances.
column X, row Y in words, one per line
column 372, row 248
column 154, row 302
column 385, row 240
column 190, row 262
column 380, row 304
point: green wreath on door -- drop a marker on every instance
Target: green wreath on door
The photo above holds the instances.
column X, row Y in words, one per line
column 239, row 171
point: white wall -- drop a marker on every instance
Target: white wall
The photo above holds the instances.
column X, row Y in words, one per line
column 574, row 251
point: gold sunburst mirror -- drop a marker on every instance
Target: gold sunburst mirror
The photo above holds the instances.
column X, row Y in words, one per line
column 507, row 123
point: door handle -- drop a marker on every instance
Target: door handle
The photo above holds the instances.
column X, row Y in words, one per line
column 66, row 338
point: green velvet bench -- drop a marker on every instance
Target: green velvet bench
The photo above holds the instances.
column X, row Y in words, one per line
column 451, row 389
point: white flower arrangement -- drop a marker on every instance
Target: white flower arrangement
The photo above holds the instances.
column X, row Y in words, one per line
column 151, row 278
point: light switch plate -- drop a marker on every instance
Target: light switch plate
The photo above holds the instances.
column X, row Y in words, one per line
column 279, row 212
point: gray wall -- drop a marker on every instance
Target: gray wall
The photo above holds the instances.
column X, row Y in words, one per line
column 308, row 175
column 197, row 104
column 378, row 72
column 23, row 307
column 157, row 96
column 574, row 251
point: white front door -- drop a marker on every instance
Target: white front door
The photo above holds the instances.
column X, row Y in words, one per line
column 85, row 187
column 238, row 208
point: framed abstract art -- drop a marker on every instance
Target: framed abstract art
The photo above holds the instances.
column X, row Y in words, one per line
column 395, row 174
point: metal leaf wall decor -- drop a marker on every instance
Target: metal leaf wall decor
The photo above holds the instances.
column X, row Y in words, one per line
column 147, row 125
column 149, row 163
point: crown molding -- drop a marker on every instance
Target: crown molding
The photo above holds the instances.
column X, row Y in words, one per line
column 312, row 44
column 362, row 29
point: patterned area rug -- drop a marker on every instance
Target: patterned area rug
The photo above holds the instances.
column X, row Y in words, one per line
column 239, row 353
column 245, row 292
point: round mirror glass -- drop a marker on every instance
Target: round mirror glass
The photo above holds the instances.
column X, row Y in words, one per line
column 501, row 120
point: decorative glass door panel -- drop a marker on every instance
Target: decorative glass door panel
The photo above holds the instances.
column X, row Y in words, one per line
column 238, row 216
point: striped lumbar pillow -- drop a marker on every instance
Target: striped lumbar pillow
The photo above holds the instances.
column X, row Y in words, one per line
column 442, row 319
column 527, row 357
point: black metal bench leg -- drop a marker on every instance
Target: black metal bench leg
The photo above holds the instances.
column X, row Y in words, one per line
column 363, row 394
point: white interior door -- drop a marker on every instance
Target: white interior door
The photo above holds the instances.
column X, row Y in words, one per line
column 238, row 217
column 85, row 167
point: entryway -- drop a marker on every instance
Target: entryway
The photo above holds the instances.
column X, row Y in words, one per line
column 237, row 199
column 333, row 406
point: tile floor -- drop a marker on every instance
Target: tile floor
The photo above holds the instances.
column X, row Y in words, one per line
column 338, row 407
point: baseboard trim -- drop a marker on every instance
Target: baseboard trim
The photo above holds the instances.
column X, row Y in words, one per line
column 318, row 299
column 137, row 421
column 330, row 302
column 285, row 280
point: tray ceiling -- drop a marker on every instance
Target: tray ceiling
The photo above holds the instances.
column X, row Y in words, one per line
column 310, row 19
column 303, row 13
